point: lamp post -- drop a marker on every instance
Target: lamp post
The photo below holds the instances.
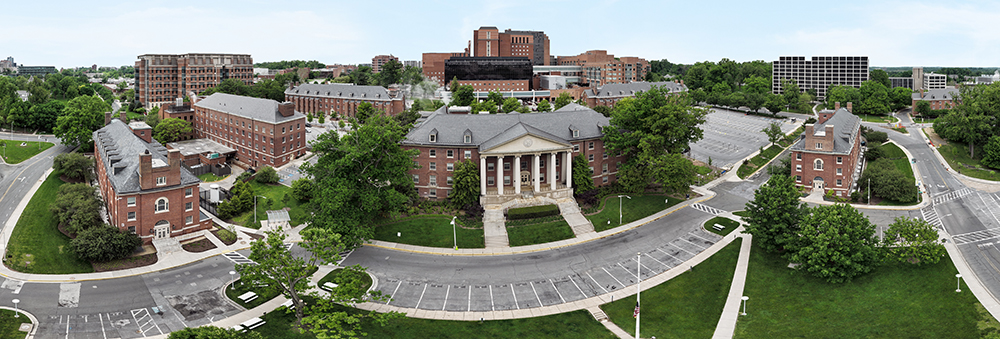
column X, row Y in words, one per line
column 454, row 233
column 16, row 314
column 255, row 207
column 620, row 207
column 745, row 298
column 958, row 282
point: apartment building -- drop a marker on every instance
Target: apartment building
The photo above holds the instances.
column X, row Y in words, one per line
column 343, row 99
column 819, row 72
column 380, row 60
column 161, row 78
column 488, row 41
column 935, row 81
column 600, row 68
column 263, row 132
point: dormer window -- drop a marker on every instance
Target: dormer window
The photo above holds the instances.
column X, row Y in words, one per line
column 575, row 131
column 468, row 139
column 434, row 135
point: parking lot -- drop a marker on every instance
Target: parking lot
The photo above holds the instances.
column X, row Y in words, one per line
column 730, row 136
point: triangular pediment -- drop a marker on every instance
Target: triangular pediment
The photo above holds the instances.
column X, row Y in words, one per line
column 527, row 143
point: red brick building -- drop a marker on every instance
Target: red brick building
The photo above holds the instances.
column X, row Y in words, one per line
column 161, row 78
column 380, row 60
column 827, row 157
column 343, row 99
column 515, row 152
column 433, row 65
column 938, row 98
column 263, row 132
column 144, row 186
column 601, row 68
column 610, row 94
column 488, row 41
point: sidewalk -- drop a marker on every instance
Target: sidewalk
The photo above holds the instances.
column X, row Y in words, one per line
column 731, row 312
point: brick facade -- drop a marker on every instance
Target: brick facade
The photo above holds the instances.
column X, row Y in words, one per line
column 343, row 99
column 162, row 78
column 258, row 142
column 819, row 164
column 600, row 68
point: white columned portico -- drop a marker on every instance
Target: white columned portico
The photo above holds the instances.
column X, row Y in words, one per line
column 500, row 175
column 534, row 171
column 482, row 175
column 516, row 175
column 568, row 165
column 552, row 171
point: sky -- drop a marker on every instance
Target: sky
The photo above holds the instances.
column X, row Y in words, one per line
column 113, row 33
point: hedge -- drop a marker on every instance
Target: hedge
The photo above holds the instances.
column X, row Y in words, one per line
column 532, row 212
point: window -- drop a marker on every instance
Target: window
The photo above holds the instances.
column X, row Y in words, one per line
column 162, row 205
column 541, row 177
column 839, row 182
column 433, row 166
column 433, row 180
column 590, row 157
column 818, row 164
column 524, row 165
column 604, row 168
column 468, row 154
column 131, row 216
column 506, row 180
column 819, row 145
column 798, row 178
column 188, row 219
column 434, row 153
column 468, row 139
column 131, row 229
column 433, row 193
column 131, row 201
column 416, row 164
column 541, row 163
column 604, row 180
column 798, row 156
column 188, row 192
column 605, row 154
column 416, row 178
column 451, row 154
column 434, row 138
column 506, row 166
column 188, row 206
column 576, row 133
column 450, row 166
column 576, row 148
column 591, row 169
column 840, row 160
column 840, row 171
column 448, row 180
column 590, row 145
column 161, row 181
column 489, row 180
column 798, row 168
column 489, row 166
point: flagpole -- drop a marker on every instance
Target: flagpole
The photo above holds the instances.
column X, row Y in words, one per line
column 638, row 267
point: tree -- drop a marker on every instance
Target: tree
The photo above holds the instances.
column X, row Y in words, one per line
column 544, row 106
column 673, row 172
column 511, row 104
column 463, row 96
column 171, row 129
column 757, row 84
column 563, row 100
column 364, row 112
column 604, row 110
column 913, row 240
column 38, row 95
column 212, row 332
column 76, row 206
column 972, row 121
column 836, row 243
column 81, row 117
column 774, row 214
column 774, row 103
column 901, row 97
column 881, row 77
column 309, row 117
column 152, row 119
column 465, row 188
column 229, row 86
column 302, row 189
column 773, row 132
column 888, row 182
column 843, row 95
column 991, row 153
column 582, row 174
column 874, row 98
column 74, row 165
column 453, row 85
column 361, row 76
column 360, row 177
column 923, row 108
column 790, row 91
column 494, row 96
column 104, row 243
column 267, row 175
column 43, row 117
column 389, row 73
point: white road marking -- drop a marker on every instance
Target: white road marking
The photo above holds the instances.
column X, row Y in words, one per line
column 421, row 296
column 536, row 294
column 577, row 287
column 595, row 282
column 557, row 291
column 469, row 309
column 613, row 277
column 394, row 292
column 515, row 296
column 446, row 292
column 682, row 249
column 654, row 259
column 492, row 305
column 99, row 316
column 668, row 254
column 627, row 271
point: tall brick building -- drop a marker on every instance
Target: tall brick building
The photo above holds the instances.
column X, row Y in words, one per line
column 144, row 186
column 516, row 153
column 827, row 157
column 600, row 68
column 343, row 99
column 161, row 78
column 433, row 65
column 380, row 60
column 488, row 41
column 263, row 132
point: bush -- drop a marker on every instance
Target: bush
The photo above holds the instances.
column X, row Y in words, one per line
column 589, row 197
column 244, row 176
column 532, row 212
column 474, row 210
column 874, row 152
column 104, row 243
column 74, row 165
column 267, row 175
column 76, row 206
column 302, row 189
column 876, row 136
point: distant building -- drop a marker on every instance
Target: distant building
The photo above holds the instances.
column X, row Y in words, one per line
column 819, row 73
column 36, row 71
column 412, row 63
column 609, row 95
column 918, row 77
column 433, row 65
column 486, row 74
column 162, row 78
column 938, row 98
column 488, row 41
column 343, row 99
column 935, row 81
column 380, row 60
column 827, row 157
column 905, row 82
column 600, row 68
column 23, row 95
column 263, row 132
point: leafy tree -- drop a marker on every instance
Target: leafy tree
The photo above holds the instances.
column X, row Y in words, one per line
column 888, row 182
column 273, row 89
column 104, row 243
column 545, row 106
column 364, row 112
column 673, row 172
column 790, row 91
column 76, row 206
column 494, row 96
column 267, row 175
column 757, row 84
column 171, row 129
column 605, row 110
column 309, row 117
column 991, row 153
column 773, row 132
column 229, row 86
column 923, row 108
column 913, row 240
column 361, row 76
column 775, row 103
column 876, row 136
column 390, row 73
column 240, row 201
column 327, row 318
column 974, row 119
column 563, row 100
column 511, row 104
column 302, row 189
column 874, row 98
column 212, row 332
column 74, row 165
column 38, row 95
column 453, row 85
column 463, row 95
column 360, row 177
column 81, row 117
column 582, row 174
column 774, row 214
column 880, row 76
column 43, row 117
column 843, row 95
column 901, row 97
column 836, row 243
column 465, row 189
column 152, row 119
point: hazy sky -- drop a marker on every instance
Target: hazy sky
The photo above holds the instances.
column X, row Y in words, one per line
column 113, row 33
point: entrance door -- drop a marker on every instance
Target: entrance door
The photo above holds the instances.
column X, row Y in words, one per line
column 818, row 183
column 162, row 229
column 525, row 178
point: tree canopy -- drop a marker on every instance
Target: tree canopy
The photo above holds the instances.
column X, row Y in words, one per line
column 82, row 116
column 836, row 243
column 774, row 214
column 975, row 119
column 913, row 240
column 465, row 189
column 463, row 95
column 171, row 129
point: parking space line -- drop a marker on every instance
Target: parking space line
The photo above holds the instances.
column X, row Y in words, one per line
column 595, row 282
column 557, row 291
column 577, row 287
column 668, row 254
column 515, row 296
column 627, row 271
column 647, row 270
column 492, row 306
column 613, row 277
column 469, row 309
column 699, row 237
column 696, row 245
column 101, row 317
column 421, row 296
column 682, row 249
column 540, row 304
column 656, row 260
column 394, row 292
column 446, row 292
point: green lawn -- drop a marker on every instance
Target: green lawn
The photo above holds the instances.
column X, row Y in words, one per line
column 899, row 159
column 741, row 213
column 210, row 177
column 703, row 170
column 275, row 197
column 571, row 325
column 640, row 206
column 539, row 233
column 687, row 306
column 14, row 153
column 730, row 225
column 431, row 231
column 896, row 301
column 236, row 289
column 9, row 325
column 758, row 161
column 957, row 155
column 36, row 245
column 877, row 118
column 329, row 277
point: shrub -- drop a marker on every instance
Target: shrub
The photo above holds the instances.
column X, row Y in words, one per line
column 474, row 210
column 74, row 165
column 267, row 175
column 588, row 197
column 876, row 136
column 532, row 212
column 104, row 243
column 244, row 176
column 76, row 206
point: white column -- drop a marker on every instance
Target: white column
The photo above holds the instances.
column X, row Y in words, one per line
column 482, row 175
column 500, row 175
column 534, row 171
column 568, row 165
column 516, row 174
column 552, row 171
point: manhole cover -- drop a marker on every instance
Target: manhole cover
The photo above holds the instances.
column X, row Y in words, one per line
column 26, row 327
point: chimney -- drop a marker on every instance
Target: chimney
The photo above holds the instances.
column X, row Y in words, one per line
column 286, row 109
column 123, row 117
column 107, row 118
column 836, row 106
column 146, row 180
column 921, row 93
column 849, row 108
column 174, row 156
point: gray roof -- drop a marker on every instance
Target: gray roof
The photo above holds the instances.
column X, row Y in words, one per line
column 490, row 130
column 117, row 138
column 630, row 89
column 936, row 94
column 265, row 110
column 347, row 91
column 24, row 95
column 846, row 129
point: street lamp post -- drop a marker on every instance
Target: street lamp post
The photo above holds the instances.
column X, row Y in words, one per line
column 16, row 314
column 255, row 207
column 958, row 282
column 620, row 207
column 745, row 298
column 454, row 233
column 232, row 278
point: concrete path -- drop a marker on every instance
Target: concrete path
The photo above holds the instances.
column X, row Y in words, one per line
column 494, row 229
column 598, row 313
column 571, row 212
column 731, row 312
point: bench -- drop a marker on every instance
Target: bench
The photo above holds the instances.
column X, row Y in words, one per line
column 329, row 286
column 718, row 227
column 253, row 323
column 239, row 328
column 289, row 305
column 248, row 297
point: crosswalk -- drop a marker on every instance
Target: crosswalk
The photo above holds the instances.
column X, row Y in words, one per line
column 238, row 258
column 976, row 236
column 930, row 215
column 707, row 209
column 952, row 195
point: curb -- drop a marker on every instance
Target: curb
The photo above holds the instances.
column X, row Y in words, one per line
column 34, row 320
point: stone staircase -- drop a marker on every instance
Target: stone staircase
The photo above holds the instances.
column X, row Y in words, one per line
column 166, row 246
column 571, row 212
column 598, row 314
column 494, row 228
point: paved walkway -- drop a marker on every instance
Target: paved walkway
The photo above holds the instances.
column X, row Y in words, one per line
column 571, row 212
column 495, row 229
column 731, row 312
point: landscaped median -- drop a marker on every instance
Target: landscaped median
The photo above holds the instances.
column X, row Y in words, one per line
column 430, row 231
column 10, row 326
column 957, row 156
column 17, row 151
column 638, row 207
column 750, row 166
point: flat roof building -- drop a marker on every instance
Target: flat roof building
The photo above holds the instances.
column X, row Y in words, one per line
column 819, row 72
column 161, row 78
